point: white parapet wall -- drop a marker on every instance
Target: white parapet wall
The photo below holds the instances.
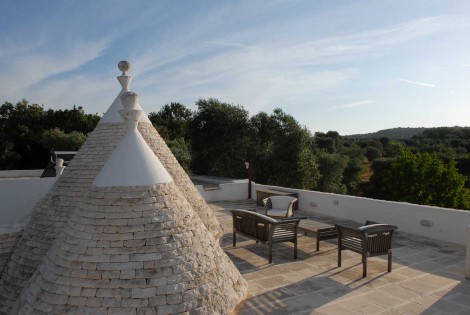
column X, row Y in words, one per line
column 18, row 197
column 20, row 173
column 467, row 266
column 230, row 191
column 444, row 224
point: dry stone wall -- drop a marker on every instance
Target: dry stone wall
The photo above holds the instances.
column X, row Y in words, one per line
column 53, row 211
column 134, row 250
column 7, row 243
column 182, row 180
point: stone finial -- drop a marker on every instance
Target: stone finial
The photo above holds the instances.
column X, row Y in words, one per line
column 130, row 114
column 129, row 100
column 124, row 66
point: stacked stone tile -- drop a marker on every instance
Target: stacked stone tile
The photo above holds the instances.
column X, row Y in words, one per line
column 52, row 212
column 182, row 180
column 7, row 243
column 135, row 248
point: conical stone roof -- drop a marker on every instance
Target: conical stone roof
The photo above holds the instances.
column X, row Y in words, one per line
column 137, row 248
column 53, row 211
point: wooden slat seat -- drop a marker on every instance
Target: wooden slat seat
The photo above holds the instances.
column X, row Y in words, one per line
column 372, row 239
column 264, row 229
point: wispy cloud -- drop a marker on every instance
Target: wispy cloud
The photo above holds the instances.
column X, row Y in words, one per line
column 214, row 43
column 29, row 69
column 466, row 65
column 417, row 83
column 357, row 104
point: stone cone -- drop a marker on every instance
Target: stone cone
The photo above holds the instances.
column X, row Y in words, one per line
column 53, row 211
column 182, row 180
column 134, row 249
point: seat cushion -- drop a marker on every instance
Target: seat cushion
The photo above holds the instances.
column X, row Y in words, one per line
column 281, row 202
column 277, row 212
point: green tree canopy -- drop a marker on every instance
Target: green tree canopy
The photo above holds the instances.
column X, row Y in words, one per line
column 425, row 179
column 22, row 128
column 60, row 141
column 219, row 139
column 172, row 121
column 332, row 167
column 281, row 151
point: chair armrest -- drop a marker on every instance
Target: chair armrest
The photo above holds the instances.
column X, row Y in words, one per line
column 290, row 208
column 300, row 218
column 373, row 228
column 267, row 205
column 288, row 220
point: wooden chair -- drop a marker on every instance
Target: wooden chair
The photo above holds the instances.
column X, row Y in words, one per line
column 264, row 229
column 372, row 239
column 279, row 206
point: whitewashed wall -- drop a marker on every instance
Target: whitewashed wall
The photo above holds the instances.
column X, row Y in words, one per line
column 18, row 197
column 434, row 222
column 438, row 223
column 231, row 191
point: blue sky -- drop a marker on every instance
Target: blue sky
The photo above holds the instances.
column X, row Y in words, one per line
column 348, row 66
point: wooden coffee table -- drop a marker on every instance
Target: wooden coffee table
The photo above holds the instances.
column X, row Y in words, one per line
column 321, row 230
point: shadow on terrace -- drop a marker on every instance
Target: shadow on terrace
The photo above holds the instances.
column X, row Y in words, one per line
column 427, row 276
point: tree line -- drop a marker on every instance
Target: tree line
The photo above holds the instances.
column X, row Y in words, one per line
column 216, row 139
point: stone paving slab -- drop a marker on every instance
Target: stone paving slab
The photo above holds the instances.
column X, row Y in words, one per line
column 428, row 276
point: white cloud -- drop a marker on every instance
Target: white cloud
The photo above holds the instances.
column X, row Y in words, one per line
column 31, row 68
column 417, row 83
column 268, row 70
column 357, row 104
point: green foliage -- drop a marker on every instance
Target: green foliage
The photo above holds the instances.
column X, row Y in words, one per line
column 60, row 141
column 330, row 142
column 332, row 167
column 22, row 127
column 172, row 121
column 181, row 150
column 393, row 149
column 219, row 139
column 425, row 179
column 393, row 134
column 377, row 187
column 280, row 151
column 352, row 175
column 372, row 153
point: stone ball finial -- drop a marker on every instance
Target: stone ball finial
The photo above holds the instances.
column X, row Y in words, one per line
column 124, row 66
column 129, row 100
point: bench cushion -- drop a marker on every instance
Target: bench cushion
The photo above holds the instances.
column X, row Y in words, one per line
column 277, row 212
column 281, row 202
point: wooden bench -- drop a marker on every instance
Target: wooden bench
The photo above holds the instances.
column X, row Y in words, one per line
column 265, row 193
column 372, row 239
column 264, row 229
column 322, row 231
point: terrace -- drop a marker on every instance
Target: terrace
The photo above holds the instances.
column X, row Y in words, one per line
column 428, row 276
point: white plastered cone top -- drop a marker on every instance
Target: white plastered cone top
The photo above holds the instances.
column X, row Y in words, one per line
column 132, row 163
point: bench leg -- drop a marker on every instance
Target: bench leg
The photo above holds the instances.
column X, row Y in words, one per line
column 339, row 256
column 270, row 252
column 364, row 265
column 339, row 252
column 234, row 239
column 295, row 248
column 389, row 260
column 318, row 242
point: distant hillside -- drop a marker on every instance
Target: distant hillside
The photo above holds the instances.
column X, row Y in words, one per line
column 394, row 133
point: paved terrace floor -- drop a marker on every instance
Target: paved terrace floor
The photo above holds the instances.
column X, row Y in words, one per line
column 428, row 276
